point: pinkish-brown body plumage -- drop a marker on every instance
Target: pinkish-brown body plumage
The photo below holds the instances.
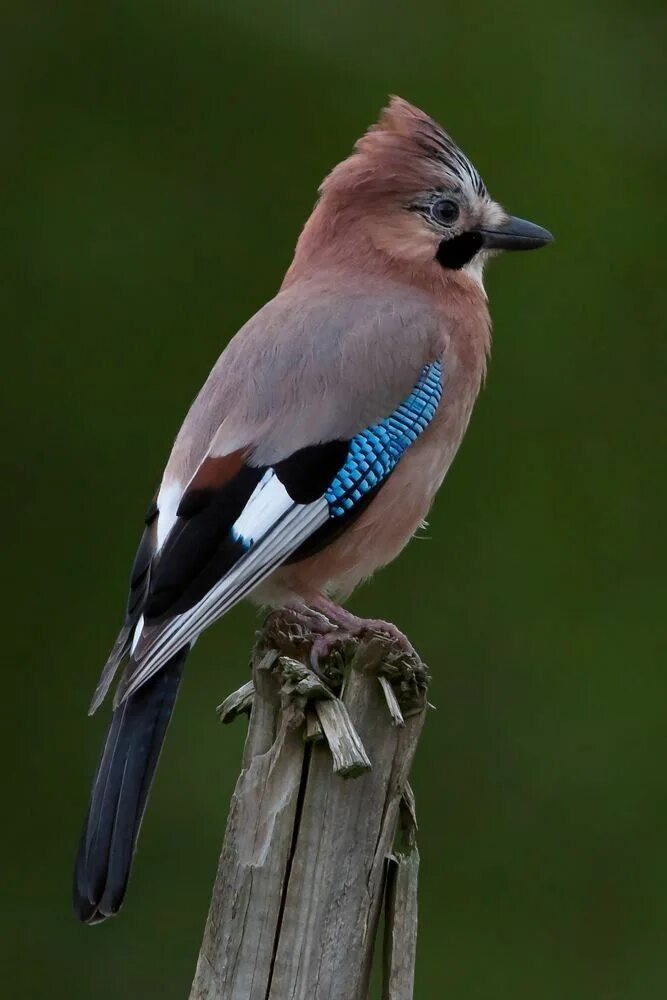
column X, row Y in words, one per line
column 360, row 255
column 461, row 337
column 314, row 450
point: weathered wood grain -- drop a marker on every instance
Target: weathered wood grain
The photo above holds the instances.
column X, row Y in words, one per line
column 304, row 867
column 400, row 925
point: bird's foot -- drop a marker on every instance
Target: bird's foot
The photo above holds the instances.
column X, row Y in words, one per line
column 322, row 628
column 309, row 632
column 327, row 638
column 299, row 621
column 326, row 643
column 352, row 626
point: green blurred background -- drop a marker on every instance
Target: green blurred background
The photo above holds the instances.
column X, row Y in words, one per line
column 158, row 160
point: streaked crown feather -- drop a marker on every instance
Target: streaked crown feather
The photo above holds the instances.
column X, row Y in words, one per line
column 405, row 151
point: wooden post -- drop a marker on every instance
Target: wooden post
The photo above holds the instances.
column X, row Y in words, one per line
column 321, row 828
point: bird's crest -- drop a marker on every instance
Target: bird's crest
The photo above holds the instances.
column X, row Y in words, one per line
column 406, row 150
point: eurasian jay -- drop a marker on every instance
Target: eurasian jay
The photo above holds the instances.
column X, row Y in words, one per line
column 316, row 445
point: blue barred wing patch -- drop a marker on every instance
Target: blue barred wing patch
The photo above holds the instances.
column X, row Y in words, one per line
column 376, row 451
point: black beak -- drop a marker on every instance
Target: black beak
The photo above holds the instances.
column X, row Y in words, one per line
column 515, row 234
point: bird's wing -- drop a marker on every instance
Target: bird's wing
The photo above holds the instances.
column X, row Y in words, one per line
column 302, row 420
column 229, row 538
column 138, row 591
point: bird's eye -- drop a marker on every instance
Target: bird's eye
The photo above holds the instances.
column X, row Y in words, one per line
column 445, row 211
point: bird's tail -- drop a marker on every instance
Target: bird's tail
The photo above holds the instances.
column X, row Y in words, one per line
column 120, row 790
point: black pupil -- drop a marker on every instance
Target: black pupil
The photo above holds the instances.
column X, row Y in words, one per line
column 446, row 210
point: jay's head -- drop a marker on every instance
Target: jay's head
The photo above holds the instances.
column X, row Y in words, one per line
column 419, row 198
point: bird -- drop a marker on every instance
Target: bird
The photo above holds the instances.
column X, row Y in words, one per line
column 315, row 447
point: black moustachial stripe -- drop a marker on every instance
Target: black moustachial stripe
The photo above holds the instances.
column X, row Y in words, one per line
column 455, row 253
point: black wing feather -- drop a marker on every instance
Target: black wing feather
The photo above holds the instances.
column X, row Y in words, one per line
column 201, row 547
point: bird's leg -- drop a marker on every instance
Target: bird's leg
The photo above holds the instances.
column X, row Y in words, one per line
column 348, row 625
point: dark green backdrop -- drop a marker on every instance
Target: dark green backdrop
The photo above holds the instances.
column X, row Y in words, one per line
column 158, row 160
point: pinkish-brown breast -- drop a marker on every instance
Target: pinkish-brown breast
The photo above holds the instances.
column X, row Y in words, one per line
column 399, row 509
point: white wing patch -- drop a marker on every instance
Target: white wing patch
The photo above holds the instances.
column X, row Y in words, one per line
column 269, row 501
column 137, row 634
column 168, row 500
column 273, row 527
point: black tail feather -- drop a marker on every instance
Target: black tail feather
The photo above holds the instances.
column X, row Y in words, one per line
column 120, row 790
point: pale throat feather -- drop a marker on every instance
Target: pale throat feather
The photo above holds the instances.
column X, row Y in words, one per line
column 475, row 270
